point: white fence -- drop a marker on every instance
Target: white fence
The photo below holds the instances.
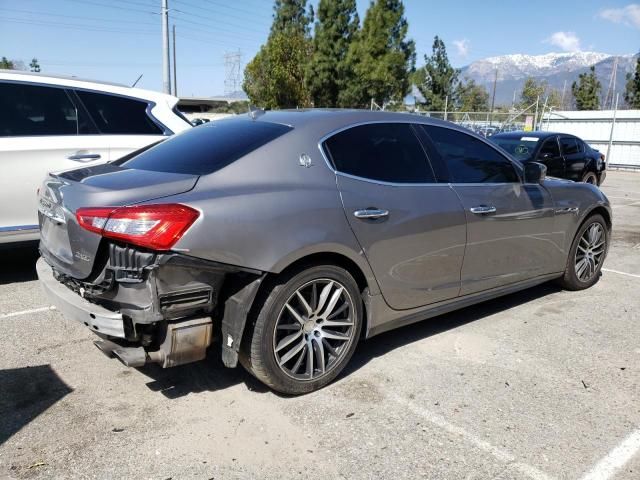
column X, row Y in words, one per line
column 618, row 134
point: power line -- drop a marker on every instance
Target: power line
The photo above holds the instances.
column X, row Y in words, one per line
column 249, row 12
column 208, row 31
column 87, row 2
column 212, row 30
column 243, row 18
column 73, row 26
column 137, row 22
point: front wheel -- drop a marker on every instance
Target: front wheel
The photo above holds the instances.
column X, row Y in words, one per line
column 587, row 254
column 306, row 329
column 590, row 178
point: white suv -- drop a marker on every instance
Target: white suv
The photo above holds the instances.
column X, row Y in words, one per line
column 54, row 123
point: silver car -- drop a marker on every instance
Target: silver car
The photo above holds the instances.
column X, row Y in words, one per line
column 288, row 236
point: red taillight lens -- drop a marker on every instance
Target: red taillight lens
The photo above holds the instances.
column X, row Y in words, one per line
column 157, row 227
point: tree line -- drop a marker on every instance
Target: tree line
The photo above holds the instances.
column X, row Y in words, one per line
column 351, row 64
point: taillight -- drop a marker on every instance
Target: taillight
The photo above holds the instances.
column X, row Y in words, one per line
column 157, row 227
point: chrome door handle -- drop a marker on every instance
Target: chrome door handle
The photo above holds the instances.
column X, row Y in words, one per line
column 371, row 213
column 84, row 157
column 482, row 209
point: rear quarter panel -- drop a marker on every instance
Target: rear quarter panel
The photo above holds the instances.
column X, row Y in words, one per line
column 265, row 211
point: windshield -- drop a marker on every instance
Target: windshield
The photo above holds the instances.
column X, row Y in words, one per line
column 207, row 148
column 520, row 148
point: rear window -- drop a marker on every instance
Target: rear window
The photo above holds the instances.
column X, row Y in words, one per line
column 207, row 148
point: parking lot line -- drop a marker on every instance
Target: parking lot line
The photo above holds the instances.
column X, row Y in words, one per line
column 483, row 445
column 621, row 273
column 616, row 459
column 25, row 312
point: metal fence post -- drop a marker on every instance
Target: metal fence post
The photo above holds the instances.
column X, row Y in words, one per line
column 613, row 124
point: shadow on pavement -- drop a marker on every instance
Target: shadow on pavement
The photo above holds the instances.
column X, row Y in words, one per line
column 211, row 375
column 388, row 341
column 25, row 393
column 18, row 263
column 208, row 375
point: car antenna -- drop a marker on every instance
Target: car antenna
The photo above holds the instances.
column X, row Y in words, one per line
column 255, row 112
column 136, row 82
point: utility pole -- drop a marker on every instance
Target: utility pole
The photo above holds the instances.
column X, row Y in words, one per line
column 493, row 97
column 611, row 89
column 564, row 89
column 613, row 124
column 166, row 67
column 175, row 65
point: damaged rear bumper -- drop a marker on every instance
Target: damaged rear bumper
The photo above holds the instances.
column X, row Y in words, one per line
column 74, row 307
column 156, row 307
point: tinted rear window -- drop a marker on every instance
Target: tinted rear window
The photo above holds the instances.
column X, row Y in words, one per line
column 207, row 148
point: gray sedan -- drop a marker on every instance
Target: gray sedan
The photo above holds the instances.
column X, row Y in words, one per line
column 289, row 236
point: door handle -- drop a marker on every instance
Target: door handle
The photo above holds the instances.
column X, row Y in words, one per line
column 84, row 157
column 371, row 213
column 483, row 209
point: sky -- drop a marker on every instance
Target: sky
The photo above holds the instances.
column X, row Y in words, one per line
column 118, row 40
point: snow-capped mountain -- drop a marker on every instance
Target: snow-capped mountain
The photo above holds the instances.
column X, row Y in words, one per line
column 553, row 68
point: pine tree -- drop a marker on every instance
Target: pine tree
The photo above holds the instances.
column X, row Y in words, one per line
column 6, row 64
column 334, row 31
column 381, row 59
column 471, row 97
column 275, row 76
column 291, row 16
column 532, row 92
column 632, row 90
column 34, row 66
column 437, row 79
column 586, row 91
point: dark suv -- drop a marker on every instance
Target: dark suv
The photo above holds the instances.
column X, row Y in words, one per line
column 565, row 156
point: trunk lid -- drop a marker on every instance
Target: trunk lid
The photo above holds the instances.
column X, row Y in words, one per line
column 71, row 249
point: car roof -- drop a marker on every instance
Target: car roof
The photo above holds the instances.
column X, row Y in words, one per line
column 323, row 121
column 521, row 133
column 73, row 82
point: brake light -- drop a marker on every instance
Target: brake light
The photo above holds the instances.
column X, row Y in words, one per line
column 157, row 227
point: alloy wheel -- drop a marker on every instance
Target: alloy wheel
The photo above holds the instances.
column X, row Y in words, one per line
column 590, row 252
column 314, row 329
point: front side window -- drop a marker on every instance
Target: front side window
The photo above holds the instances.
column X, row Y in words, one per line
column 470, row 160
column 35, row 110
column 386, row 152
column 113, row 114
column 549, row 149
column 569, row 146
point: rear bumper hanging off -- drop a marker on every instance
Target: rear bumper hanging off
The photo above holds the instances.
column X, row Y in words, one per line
column 73, row 306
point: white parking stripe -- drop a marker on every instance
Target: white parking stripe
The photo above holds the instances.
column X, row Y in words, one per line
column 483, row 445
column 25, row 312
column 616, row 459
column 621, row 273
column 633, row 204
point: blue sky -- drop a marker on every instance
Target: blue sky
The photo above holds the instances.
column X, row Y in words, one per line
column 117, row 40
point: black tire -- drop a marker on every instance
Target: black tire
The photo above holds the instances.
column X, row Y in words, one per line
column 590, row 178
column 259, row 352
column 570, row 280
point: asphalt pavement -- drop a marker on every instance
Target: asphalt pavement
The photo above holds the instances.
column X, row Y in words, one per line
column 542, row 384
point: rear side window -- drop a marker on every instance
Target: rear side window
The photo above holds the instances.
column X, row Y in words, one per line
column 549, row 149
column 569, row 146
column 119, row 115
column 470, row 160
column 207, row 148
column 388, row 152
column 34, row 110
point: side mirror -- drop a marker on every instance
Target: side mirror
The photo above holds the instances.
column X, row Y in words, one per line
column 534, row 172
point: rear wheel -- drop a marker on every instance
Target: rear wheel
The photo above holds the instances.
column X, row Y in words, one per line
column 586, row 255
column 306, row 329
column 590, row 178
